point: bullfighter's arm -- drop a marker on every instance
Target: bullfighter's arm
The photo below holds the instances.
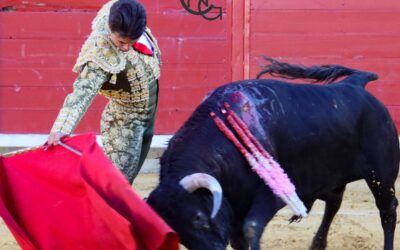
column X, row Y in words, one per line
column 86, row 86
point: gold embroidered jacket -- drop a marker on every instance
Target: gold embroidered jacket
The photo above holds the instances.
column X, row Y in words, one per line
column 123, row 77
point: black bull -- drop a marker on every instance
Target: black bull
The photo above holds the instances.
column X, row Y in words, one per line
column 323, row 136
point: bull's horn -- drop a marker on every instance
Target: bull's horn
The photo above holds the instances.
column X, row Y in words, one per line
column 200, row 180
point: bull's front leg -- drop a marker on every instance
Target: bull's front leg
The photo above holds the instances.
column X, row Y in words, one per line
column 264, row 207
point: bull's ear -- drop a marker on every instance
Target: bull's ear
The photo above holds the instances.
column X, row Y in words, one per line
column 201, row 221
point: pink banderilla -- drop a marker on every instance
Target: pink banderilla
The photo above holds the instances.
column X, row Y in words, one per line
column 260, row 160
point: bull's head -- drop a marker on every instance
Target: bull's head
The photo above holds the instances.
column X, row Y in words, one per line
column 201, row 220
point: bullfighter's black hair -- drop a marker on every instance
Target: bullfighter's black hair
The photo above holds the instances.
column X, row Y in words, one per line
column 128, row 18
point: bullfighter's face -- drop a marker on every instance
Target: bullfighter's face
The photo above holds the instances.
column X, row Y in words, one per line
column 122, row 43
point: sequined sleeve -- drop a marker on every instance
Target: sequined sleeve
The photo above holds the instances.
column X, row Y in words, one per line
column 86, row 86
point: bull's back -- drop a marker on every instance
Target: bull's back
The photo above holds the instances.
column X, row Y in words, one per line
column 292, row 111
column 314, row 131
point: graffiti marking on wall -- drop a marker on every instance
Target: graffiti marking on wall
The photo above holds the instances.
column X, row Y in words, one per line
column 203, row 8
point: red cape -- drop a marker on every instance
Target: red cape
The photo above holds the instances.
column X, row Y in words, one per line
column 56, row 199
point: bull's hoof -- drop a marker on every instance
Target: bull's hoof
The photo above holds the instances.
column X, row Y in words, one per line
column 317, row 248
column 295, row 218
column 318, row 244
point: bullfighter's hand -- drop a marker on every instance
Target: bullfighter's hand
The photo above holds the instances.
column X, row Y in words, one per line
column 54, row 138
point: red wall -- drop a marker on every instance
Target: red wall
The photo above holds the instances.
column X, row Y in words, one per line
column 39, row 43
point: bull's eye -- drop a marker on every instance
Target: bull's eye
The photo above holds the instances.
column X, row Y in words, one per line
column 200, row 221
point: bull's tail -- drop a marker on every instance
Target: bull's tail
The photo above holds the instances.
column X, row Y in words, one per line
column 319, row 73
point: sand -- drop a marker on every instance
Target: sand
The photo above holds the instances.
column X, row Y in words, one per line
column 356, row 226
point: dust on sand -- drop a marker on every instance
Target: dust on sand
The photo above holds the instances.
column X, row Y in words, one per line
column 356, row 226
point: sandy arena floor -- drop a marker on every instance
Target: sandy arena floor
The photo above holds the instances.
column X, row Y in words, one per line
column 357, row 225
